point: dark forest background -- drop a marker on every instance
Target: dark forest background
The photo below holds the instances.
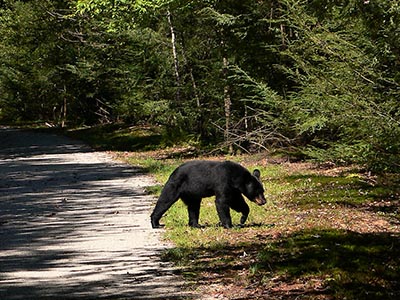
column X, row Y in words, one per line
column 318, row 76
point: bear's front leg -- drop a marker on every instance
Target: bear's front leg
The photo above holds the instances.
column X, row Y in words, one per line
column 169, row 195
column 223, row 212
column 239, row 204
column 243, row 220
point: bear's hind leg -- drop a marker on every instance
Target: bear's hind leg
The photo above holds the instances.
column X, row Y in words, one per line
column 193, row 206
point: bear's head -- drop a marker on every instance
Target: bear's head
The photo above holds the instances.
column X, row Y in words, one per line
column 254, row 189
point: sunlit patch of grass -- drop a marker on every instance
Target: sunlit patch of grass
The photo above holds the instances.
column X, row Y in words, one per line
column 176, row 221
column 285, row 193
column 176, row 218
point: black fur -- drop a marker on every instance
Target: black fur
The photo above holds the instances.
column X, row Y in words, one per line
column 195, row 180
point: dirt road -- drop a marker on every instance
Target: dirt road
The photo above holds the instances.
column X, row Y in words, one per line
column 75, row 225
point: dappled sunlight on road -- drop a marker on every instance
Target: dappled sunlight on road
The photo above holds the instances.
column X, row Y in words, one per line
column 74, row 224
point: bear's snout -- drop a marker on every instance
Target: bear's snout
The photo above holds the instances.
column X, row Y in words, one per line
column 260, row 200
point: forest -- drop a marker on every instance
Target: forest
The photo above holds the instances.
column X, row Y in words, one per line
column 318, row 77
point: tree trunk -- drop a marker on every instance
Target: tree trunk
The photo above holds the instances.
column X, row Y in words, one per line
column 227, row 103
column 190, row 69
column 64, row 108
column 175, row 55
column 188, row 66
column 194, row 85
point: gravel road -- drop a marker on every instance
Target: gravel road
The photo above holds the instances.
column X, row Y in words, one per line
column 74, row 224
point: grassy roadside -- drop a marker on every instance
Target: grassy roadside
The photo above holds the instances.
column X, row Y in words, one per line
column 326, row 233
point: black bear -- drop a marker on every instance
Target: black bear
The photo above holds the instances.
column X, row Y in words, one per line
column 195, row 180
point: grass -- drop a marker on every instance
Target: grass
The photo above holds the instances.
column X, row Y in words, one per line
column 324, row 234
column 320, row 236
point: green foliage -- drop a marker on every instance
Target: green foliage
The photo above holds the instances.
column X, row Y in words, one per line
column 319, row 76
column 341, row 107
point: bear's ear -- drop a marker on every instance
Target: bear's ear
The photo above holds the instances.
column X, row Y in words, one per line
column 257, row 173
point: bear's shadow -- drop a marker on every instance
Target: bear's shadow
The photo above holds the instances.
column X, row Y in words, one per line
column 237, row 226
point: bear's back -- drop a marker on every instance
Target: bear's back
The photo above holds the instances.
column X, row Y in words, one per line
column 208, row 167
column 198, row 170
column 210, row 172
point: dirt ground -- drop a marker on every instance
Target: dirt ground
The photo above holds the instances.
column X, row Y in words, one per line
column 74, row 224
